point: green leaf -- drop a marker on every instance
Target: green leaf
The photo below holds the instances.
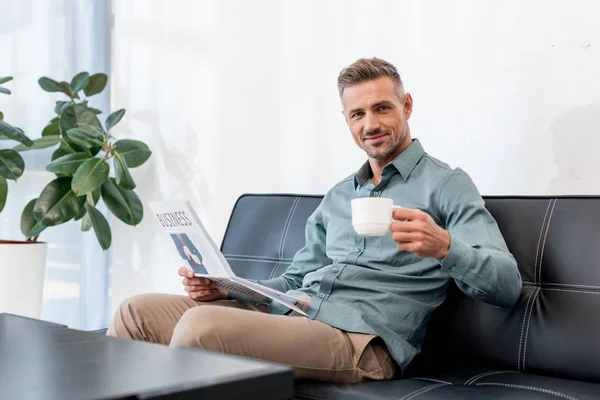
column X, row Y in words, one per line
column 73, row 117
column 80, row 81
column 50, row 85
column 114, row 118
column 57, row 203
column 123, row 203
column 77, row 115
column 96, row 85
column 4, row 90
column 11, row 164
column 93, row 197
column 80, row 215
column 41, row 143
column 14, row 134
column 84, row 138
column 52, row 128
column 95, row 110
column 5, row 79
column 61, row 106
column 1, row 116
column 122, row 175
column 3, row 192
column 68, row 164
column 133, row 152
column 92, row 130
column 86, row 222
column 100, row 224
column 63, row 150
column 90, row 175
column 29, row 225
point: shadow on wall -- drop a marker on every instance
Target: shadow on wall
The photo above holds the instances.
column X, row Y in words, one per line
column 145, row 257
column 575, row 147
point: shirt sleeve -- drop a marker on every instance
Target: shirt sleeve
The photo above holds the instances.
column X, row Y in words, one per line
column 478, row 258
column 310, row 258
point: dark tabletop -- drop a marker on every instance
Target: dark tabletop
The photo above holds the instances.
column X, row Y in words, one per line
column 41, row 360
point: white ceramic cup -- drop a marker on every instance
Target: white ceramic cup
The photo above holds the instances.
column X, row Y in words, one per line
column 372, row 216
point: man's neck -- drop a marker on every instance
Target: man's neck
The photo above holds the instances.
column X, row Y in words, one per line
column 378, row 165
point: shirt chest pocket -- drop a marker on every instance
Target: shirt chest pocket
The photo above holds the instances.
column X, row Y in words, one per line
column 339, row 237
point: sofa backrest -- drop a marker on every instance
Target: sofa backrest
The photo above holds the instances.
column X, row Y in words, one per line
column 555, row 326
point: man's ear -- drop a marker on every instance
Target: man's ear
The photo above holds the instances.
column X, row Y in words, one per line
column 408, row 105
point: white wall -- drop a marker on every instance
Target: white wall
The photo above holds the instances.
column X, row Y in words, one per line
column 240, row 96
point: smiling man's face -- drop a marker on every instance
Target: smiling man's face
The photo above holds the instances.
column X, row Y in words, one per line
column 377, row 114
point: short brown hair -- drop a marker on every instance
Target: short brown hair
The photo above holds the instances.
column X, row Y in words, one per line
column 367, row 69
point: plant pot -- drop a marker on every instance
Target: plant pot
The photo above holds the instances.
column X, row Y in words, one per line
column 22, row 267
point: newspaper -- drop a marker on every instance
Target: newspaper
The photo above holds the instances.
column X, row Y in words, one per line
column 195, row 246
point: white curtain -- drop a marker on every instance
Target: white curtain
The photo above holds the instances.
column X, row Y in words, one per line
column 56, row 39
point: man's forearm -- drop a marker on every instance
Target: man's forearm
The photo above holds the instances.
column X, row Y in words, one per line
column 280, row 283
column 487, row 274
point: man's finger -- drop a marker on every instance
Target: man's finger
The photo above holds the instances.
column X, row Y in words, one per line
column 411, row 247
column 186, row 272
column 208, row 295
column 404, row 237
column 404, row 226
column 196, row 281
column 409, row 214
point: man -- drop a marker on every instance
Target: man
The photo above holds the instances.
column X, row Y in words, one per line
column 370, row 298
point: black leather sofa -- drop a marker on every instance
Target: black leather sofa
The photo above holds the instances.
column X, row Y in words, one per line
column 546, row 347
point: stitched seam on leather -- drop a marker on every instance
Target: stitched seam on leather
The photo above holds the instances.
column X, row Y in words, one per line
column 286, row 226
column 475, row 378
column 537, row 250
column 544, row 244
column 274, row 269
column 425, row 390
column 574, row 285
column 417, row 392
column 284, row 235
column 432, row 380
column 251, row 258
column 571, row 291
column 527, row 330
column 532, row 388
column 523, row 330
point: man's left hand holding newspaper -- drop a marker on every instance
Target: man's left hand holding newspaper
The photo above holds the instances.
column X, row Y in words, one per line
column 200, row 289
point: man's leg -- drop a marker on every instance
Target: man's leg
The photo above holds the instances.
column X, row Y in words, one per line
column 315, row 350
column 152, row 317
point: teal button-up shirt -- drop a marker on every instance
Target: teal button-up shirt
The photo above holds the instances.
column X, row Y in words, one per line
column 368, row 285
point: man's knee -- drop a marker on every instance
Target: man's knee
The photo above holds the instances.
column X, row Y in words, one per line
column 128, row 315
column 206, row 327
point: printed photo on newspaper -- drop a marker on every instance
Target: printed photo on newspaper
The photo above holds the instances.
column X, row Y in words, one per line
column 199, row 252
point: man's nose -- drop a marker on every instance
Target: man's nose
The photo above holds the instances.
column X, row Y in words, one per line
column 371, row 122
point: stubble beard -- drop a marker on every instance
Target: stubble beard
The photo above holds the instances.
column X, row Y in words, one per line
column 383, row 151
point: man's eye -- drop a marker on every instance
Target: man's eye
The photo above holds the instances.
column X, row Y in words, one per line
column 382, row 108
column 355, row 115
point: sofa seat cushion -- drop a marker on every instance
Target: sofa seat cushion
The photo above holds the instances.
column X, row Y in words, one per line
column 396, row 389
column 463, row 384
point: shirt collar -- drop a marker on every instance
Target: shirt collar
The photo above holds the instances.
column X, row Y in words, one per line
column 405, row 162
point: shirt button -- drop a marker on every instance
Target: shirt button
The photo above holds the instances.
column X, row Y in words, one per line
column 335, row 270
column 452, row 268
column 358, row 250
column 322, row 295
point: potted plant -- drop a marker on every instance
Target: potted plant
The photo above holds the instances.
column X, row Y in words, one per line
column 21, row 261
column 80, row 163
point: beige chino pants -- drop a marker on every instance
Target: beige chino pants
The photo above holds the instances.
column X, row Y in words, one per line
column 315, row 350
